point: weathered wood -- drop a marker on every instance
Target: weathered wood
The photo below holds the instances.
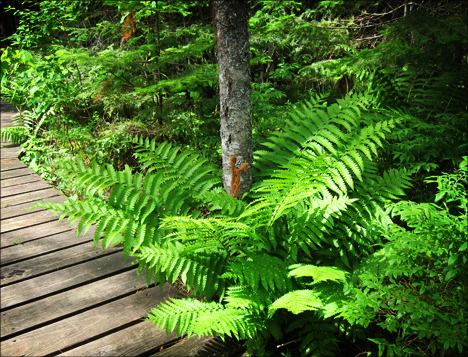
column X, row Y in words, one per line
column 19, row 210
column 187, row 347
column 16, row 173
column 27, row 220
column 9, row 152
column 34, row 232
column 7, row 121
column 7, row 107
column 19, row 180
column 11, row 164
column 79, row 328
column 44, row 245
column 51, row 262
column 56, row 306
column 29, row 197
column 62, row 279
column 132, row 341
column 23, row 188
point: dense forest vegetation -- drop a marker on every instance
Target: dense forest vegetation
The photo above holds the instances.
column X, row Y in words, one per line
column 353, row 238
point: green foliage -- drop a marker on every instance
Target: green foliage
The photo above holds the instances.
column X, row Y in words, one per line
column 25, row 128
column 320, row 205
column 329, row 172
column 416, row 285
column 299, row 216
column 15, row 134
column 127, row 208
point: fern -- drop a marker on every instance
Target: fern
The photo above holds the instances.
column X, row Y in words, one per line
column 135, row 203
column 320, row 204
column 321, row 197
column 24, row 128
column 16, row 134
column 203, row 318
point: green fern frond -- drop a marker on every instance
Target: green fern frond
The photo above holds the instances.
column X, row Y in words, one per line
column 230, row 322
column 24, row 119
column 297, row 301
column 245, row 298
column 16, row 134
column 197, row 270
column 313, row 337
column 264, row 269
column 181, row 314
column 318, row 273
column 186, row 167
column 221, row 204
column 203, row 318
column 226, row 234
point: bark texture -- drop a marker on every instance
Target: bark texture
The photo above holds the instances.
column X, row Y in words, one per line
column 231, row 19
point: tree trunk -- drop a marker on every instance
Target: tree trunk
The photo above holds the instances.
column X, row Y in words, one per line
column 231, row 20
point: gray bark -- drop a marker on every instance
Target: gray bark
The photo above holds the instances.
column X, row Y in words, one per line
column 231, row 19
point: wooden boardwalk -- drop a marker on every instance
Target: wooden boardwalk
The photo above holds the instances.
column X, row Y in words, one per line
column 62, row 297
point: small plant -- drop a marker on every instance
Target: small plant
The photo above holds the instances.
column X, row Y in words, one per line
column 17, row 241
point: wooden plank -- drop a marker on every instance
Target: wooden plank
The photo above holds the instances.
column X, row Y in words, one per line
column 132, row 341
column 20, row 180
column 63, row 279
column 79, row 328
column 18, row 210
column 11, row 164
column 56, row 306
column 30, row 197
column 205, row 346
column 47, row 263
column 6, row 108
column 27, row 220
column 187, row 347
column 34, row 232
column 16, row 173
column 23, row 188
column 44, row 245
column 10, row 152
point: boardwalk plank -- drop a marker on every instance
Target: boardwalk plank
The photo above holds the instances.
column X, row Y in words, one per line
column 34, row 232
column 187, row 347
column 11, row 164
column 29, row 197
column 44, row 245
column 51, row 262
column 79, row 328
column 10, row 152
column 19, row 180
column 132, row 341
column 56, row 306
column 19, row 210
column 23, row 188
column 27, row 220
column 62, row 279
column 16, row 173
